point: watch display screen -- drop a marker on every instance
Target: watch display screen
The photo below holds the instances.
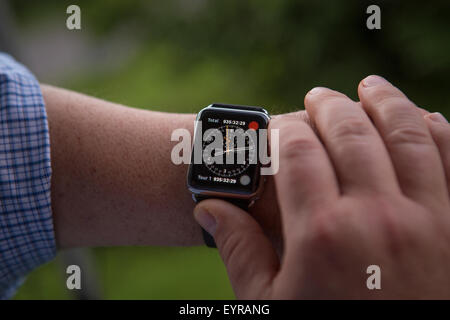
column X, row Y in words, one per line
column 229, row 142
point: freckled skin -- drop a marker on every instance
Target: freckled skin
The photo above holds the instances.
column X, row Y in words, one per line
column 113, row 182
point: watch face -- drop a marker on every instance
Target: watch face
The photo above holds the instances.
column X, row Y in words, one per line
column 235, row 167
column 229, row 142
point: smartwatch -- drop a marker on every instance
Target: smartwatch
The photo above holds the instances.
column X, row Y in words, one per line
column 225, row 160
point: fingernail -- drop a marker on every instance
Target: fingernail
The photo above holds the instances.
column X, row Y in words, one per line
column 316, row 90
column 436, row 116
column 372, row 81
column 205, row 219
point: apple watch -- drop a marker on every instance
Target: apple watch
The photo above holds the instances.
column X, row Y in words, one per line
column 225, row 162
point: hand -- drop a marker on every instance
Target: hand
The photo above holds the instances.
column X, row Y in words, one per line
column 372, row 190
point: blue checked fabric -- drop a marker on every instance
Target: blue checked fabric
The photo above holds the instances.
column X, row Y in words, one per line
column 26, row 229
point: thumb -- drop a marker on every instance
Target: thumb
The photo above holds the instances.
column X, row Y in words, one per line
column 248, row 255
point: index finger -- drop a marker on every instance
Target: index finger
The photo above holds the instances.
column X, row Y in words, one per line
column 305, row 179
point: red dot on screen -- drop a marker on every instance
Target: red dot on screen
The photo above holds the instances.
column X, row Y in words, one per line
column 253, row 125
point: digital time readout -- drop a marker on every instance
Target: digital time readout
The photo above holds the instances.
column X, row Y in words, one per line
column 235, row 122
column 224, row 180
column 217, row 179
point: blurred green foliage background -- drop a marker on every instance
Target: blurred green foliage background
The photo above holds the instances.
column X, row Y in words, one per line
column 187, row 54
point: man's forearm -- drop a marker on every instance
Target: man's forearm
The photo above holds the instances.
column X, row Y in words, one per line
column 113, row 182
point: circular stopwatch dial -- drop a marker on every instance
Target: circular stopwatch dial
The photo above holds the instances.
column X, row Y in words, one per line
column 235, row 168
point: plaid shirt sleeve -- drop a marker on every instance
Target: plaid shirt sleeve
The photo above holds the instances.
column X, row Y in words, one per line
column 26, row 228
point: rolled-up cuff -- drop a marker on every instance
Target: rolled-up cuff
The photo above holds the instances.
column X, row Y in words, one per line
column 26, row 228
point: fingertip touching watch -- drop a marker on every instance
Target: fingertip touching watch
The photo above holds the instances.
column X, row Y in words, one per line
column 225, row 160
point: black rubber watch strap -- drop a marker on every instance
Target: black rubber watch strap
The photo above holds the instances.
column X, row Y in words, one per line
column 241, row 203
column 208, row 239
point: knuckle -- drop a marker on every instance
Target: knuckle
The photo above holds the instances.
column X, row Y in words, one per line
column 408, row 133
column 297, row 147
column 396, row 101
column 322, row 231
column 397, row 235
column 351, row 129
